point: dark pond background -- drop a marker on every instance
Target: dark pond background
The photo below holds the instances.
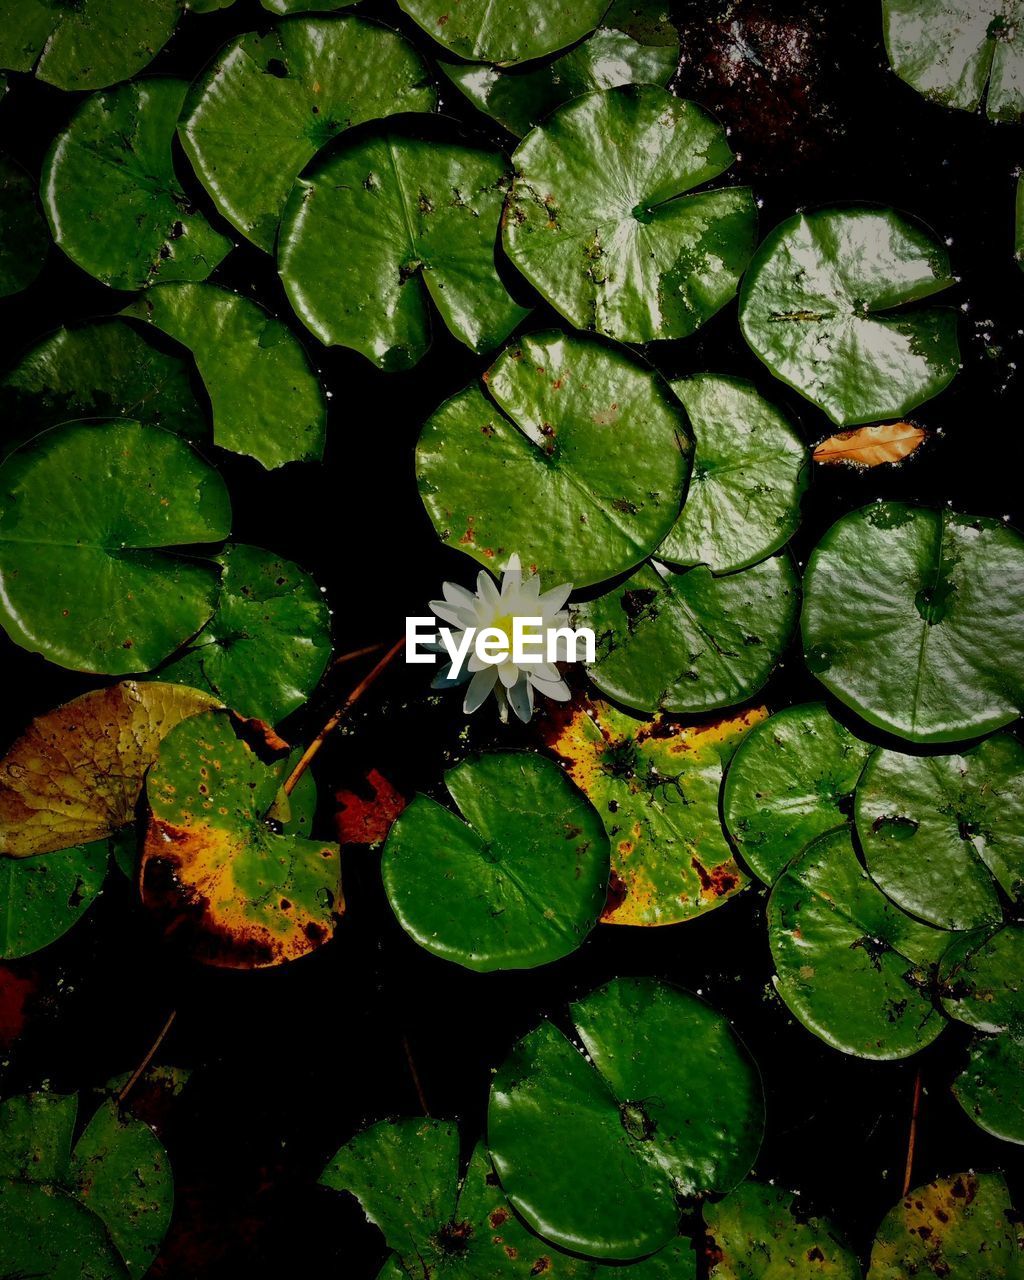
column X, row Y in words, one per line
column 287, row 1064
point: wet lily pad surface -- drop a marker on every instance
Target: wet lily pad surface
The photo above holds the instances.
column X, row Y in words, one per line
column 527, row 862
column 988, row 1088
column 940, row 833
column 606, row 221
column 566, row 425
column 42, row 897
column 911, row 618
column 791, row 780
column 982, row 980
column 826, row 305
column 665, row 1094
column 484, row 32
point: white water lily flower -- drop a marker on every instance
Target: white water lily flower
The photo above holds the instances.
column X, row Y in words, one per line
column 513, row 684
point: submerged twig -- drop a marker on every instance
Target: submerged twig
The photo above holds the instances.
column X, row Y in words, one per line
column 140, row 1069
column 912, row 1140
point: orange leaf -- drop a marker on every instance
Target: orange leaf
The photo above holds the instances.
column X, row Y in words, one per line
column 368, row 821
column 871, row 446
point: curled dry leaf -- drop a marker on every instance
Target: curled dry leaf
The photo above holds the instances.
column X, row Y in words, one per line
column 871, row 446
column 75, row 775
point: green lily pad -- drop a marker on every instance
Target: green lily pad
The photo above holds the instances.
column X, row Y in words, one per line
column 102, row 370
column 24, row 240
column 110, row 193
column 750, row 470
column 761, row 1232
column 420, row 218
column 305, row 82
column 75, row 775
column 42, row 897
column 527, row 864
column 791, row 780
column 959, row 52
column 911, row 617
column 656, row 786
column 485, row 32
column 305, row 6
column 86, row 45
column 266, row 647
column 267, row 400
column 822, row 306
column 982, row 980
column 98, row 1212
column 938, row 832
column 218, row 878
column 963, row 1227
column 87, row 517
column 690, row 642
column 989, row 1089
column 605, row 222
column 591, row 438
column 521, row 99
column 850, row 965
column 593, row 1151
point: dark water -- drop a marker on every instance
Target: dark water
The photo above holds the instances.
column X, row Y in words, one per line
column 287, row 1064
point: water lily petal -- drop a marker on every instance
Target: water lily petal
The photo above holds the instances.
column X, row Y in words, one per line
column 520, row 698
column 479, row 687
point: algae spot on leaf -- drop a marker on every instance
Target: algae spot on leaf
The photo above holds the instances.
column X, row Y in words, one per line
column 218, row 879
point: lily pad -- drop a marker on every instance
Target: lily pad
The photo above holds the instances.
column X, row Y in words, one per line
column 482, row 31
column 791, row 780
column 760, row 1232
column 939, row 832
column 912, row 618
column 217, row 877
column 87, row 517
column 565, row 426
column 605, row 222
column 264, row 650
column 86, row 45
column 305, row 81
column 520, row 99
column 822, row 306
column 42, row 897
column 989, row 1089
column 305, row 6
column 691, row 642
column 419, row 217
column 962, row 1226
column 267, row 400
column 959, row 52
column 656, row 786
column 851, row 966
column 982, row 981
column 24, row 240
column 110, row 193
column 75, row 775
column 97, row 1212
column 749, row 475
column 527, row 864
column 667, row 1097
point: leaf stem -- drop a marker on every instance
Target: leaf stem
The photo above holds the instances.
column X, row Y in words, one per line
column 137, row 1073
column 912, row 1140
column 342, row 658
column 336, row 718
column 417, row 1083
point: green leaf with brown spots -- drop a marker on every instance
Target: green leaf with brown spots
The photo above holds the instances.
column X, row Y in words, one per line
column 85, row 45
column 42, row 897
column 691, row 642
column 215, row 874
column 851, row 966
column 655, row 784
column 961, row 1227
column 524, row 868
column 606, row 220
column 791, row 780
column 267, row 399
column 565, row 426
column 24, row 240
column 114, row 203
column 483, row 31
column 305, row 81
column 44, row 1231
column 266, row 647
column 981, row 980
column 107, row 369
column 94, row 521
column 36, row 1130
column 419, row 215
column 761, row 1232
column 663, row 1093
column 943, row 834
column 989, row 1089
